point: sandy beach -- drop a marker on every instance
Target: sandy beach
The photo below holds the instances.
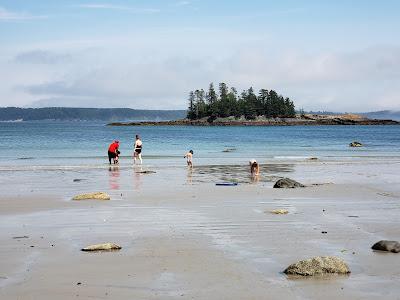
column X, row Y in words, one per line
column 182, row 237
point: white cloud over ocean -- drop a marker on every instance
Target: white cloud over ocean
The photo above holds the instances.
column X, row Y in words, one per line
column 156, row 66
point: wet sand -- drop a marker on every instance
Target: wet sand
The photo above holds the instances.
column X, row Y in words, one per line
column 185, row 238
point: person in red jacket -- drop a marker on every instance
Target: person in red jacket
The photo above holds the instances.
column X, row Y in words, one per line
column 113, row 151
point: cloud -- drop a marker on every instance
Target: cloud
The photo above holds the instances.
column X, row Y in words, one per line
column 6, row 15
column 41, row 57
column 137, row 85
column 135, row 72
column 182, row 3
column 109, row 6
column 377, row 63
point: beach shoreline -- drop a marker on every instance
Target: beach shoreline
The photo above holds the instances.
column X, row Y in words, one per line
column 183, row 237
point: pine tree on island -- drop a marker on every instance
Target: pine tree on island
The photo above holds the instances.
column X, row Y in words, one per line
column 227, row 103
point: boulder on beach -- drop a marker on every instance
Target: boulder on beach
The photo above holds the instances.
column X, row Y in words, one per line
column 318, row 266
column 94, row 196
column 102, row 247
column 390, row 246
column 279, row 211
column 287, row 183
column 355, row 144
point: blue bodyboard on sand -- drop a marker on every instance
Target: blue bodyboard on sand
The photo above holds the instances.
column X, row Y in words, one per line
column 226, row 184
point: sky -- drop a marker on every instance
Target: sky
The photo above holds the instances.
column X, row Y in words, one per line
column 149, row 54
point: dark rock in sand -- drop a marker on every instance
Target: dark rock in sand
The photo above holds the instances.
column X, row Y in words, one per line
column 318, row 266
column 145, row 172
column 20, row 237
column 355, row 144
column 390, row 246
column 287, row 183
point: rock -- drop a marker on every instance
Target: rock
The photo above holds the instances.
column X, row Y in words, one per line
column 287, row 183
column 94, row 196
column 20, row 237
column 280, row 211
column 355, row 144
column 77, row 180
column 102, row 247
column 390, row 246
column 317, row 266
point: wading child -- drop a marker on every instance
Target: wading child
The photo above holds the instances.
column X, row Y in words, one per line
column 116, row 159
column 254, row 168
column 189, row 158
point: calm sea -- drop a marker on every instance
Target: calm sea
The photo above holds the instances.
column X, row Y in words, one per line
column 50, row 143
column 70, row 157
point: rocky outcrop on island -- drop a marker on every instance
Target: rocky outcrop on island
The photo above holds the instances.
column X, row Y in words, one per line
column 306, row 119
column 389, row 246
column 318, row 266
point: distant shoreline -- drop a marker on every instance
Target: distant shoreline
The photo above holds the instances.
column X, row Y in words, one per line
column 312, row 120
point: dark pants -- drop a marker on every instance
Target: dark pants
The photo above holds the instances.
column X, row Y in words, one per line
column 111, row 155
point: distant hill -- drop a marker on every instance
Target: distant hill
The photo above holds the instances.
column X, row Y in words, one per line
column 383, row 114
column 88, row 114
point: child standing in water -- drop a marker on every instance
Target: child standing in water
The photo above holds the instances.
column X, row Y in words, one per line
column 254, row 167
column 189, row 158
column 137, row 152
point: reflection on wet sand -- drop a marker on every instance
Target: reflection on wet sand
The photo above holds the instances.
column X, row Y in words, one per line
column 190, row 175
column 137, row 178
column 114, row 177
column 255, row 178
column 238, row 173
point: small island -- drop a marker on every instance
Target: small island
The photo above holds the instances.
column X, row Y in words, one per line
column 267, row 108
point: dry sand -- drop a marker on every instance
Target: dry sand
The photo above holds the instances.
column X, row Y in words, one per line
column 199, row 241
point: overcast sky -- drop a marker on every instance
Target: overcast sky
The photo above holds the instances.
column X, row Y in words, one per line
column 325, row 55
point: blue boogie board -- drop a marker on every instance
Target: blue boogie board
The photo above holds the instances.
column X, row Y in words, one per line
column 226, row 184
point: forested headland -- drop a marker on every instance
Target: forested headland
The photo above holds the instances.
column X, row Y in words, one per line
column 87, row 114
column 227, row 102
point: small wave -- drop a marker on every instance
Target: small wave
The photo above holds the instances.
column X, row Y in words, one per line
column 292, row 157
column 12, row 121
column 104, row 157
column 56, row 168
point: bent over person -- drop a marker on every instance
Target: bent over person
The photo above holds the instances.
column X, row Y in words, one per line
column 113, row 151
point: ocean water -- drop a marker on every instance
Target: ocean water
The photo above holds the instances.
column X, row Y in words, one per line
column 44, row 156
column 85, row 143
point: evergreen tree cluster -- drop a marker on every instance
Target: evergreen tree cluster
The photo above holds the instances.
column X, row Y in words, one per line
column 226, row 102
